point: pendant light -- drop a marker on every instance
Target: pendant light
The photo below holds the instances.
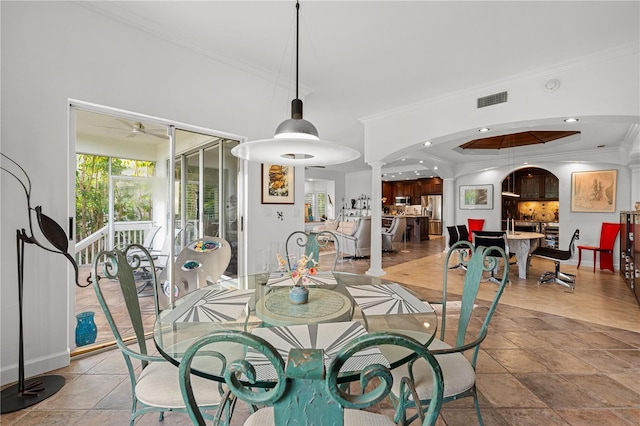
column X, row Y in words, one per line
column 296, row 141
column 511, row 188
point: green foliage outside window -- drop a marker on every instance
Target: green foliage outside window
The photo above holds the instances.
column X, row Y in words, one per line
column 132, row 199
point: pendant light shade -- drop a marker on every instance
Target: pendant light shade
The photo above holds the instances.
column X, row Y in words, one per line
column 296, row 141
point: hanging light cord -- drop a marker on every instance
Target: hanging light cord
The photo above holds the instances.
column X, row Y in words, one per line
column 297, row 37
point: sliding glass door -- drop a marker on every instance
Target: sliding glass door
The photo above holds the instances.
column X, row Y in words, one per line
column 206, row 183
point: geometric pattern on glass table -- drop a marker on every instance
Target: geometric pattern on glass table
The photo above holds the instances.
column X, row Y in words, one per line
column 381, row 299
column 279, row 279
column 328, row 336
column 214, row 305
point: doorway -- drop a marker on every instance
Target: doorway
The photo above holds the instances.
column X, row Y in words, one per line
column 128, row 168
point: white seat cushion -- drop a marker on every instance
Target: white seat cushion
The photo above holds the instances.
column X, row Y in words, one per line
column 457, row 372
column 264, row 417
column 159, row 386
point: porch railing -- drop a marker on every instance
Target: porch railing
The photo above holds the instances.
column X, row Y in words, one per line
column 124, row 233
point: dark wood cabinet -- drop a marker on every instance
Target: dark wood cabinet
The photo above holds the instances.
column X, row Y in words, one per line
column 389, row 192
column 533, row 184
column 411, row 188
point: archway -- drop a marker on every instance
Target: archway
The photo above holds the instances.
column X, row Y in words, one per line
column 534, row 202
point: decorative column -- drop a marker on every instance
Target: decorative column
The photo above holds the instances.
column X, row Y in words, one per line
column 375, row 264
column 448, row 206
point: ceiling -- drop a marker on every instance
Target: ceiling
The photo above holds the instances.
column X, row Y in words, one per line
column 360, row 58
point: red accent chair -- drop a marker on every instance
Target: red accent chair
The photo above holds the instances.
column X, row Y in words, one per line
column 475, row 225
column 608, row 235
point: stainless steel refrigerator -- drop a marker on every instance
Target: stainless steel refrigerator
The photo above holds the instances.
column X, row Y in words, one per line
column 432, row 207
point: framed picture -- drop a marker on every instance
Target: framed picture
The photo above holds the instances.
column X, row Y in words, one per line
column 277, row 184
column 594, row 191
column 476, row 197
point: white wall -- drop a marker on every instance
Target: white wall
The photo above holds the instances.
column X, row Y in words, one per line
column 53, row 52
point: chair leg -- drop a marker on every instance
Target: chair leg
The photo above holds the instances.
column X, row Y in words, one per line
column 460, row 265
column 557, row 277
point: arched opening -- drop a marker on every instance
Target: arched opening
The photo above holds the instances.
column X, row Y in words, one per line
column 537, row 205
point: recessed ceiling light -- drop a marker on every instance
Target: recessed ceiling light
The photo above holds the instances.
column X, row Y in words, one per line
column 403, row 159
column 427, row 143
column 407, row 178
column 399, row 173
column 435, row 168
column 393, row 176
column 570, row 120
column 526, row 162
column 421, row 161
column 484, row 129
column 418, row 173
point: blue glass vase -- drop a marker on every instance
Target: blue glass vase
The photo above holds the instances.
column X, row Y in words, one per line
column 86, row 330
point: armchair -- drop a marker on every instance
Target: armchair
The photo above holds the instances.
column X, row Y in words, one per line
column 354, row 238
column 394, row 234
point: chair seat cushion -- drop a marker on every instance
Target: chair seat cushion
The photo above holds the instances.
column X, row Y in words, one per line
column 264, row 417
column 159, row 386
column 457, row 372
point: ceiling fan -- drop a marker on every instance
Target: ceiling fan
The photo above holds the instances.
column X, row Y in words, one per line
column 135, row 129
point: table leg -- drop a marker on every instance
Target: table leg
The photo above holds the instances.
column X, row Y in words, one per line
column 521, row 249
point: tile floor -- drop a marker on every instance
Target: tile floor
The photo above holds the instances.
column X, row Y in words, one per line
column 551, row 357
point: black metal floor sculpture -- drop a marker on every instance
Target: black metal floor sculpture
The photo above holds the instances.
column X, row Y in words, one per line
column 26, row 393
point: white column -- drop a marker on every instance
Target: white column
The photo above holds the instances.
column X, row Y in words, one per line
column 375, row 264
column 448, row 206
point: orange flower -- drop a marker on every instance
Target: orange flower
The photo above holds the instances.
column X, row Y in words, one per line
column 312, row 271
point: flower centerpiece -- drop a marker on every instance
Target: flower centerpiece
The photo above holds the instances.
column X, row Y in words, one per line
column 299, row 272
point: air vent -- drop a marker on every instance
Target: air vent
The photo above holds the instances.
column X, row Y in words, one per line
column 496, row 98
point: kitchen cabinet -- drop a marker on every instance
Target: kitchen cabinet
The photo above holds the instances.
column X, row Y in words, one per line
column 411, row 188
column 389, row 192
column 532, row 186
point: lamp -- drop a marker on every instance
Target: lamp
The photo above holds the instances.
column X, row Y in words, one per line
column 296, row 141
column 511, row 187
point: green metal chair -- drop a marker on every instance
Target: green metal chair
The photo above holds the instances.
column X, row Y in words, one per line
column 306, row 392
column 155, row 388
column 459, row 372
column 310, row 243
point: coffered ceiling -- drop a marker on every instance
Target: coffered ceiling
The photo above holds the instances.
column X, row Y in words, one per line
column 360, row 58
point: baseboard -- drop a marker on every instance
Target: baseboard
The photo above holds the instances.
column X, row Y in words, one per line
column 9, row 374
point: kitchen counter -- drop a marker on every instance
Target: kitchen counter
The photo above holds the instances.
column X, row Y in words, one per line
column 418, row 225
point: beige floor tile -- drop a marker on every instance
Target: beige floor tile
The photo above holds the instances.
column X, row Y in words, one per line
column 504, row 390
column 49, row 417
column 561, row 361
column 557, row 392
column 630, row 379
column 518, row 360
column 587, row 417
column 604, row 361
column 467, row 417
column 104, row 417
column 605, row 389
column 529, row 417
column 81, row 394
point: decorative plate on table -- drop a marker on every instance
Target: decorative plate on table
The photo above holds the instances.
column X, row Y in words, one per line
column 205, row 246
column 190, row 265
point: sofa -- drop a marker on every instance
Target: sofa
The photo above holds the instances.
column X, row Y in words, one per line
column 354, row 237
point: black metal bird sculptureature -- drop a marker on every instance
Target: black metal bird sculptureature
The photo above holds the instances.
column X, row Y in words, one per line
column 22, row 395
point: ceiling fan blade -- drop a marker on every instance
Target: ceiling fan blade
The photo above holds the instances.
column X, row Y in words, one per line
column 126, row 123
column 109, row 127
column 153, row 133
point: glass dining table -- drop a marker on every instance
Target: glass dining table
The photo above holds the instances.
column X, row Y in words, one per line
column 341, row 307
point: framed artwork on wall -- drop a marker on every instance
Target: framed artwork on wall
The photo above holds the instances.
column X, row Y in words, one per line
column 277, row 184
column 476, row 197
column 594, row 191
